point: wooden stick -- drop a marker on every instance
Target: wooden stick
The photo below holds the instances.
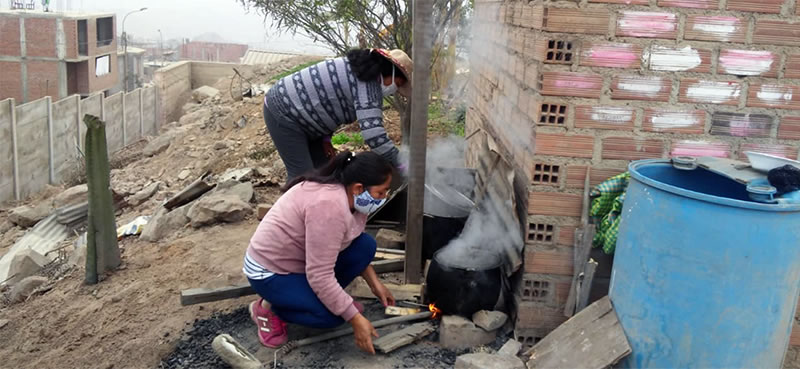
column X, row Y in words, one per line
column 405, row 336
column 586, row 285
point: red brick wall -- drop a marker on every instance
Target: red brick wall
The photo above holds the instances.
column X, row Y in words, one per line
column 612, row 81
column 42, row 79
column 40, row 37
column 71, row 38
column 9, row 36
column 10, row 83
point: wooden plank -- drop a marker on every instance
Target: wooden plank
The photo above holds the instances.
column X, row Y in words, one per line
column 388, row 266
column 405, row 336
column 420, row 96
column 200, row 295
column 360, row 289
column 582, row 247
column 592, row 339
column 586, row 285
column 389, row 256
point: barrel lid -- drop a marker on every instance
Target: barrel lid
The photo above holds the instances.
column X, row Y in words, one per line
column 635, row 170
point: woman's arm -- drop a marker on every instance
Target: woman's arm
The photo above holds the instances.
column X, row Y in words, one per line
column 378, row 289
column 369, row 112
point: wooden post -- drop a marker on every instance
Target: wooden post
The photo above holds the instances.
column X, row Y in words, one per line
column 421, row 54
column 50, row 153
column 14, row 147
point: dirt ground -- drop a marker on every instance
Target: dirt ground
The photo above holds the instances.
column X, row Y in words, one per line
column 133, row 318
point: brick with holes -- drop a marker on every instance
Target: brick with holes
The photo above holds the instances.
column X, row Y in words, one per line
column 539, row 232
column 605, row 117
column 558, row 52
column 611, row 55
column 545, row 174
column 741, row 125
column 551, row 290
column 589, row 21
column 552, row 114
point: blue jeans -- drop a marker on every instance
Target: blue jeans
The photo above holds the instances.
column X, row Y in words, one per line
column 294, row 301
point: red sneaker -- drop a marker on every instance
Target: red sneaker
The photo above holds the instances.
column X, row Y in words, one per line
column 271, row 329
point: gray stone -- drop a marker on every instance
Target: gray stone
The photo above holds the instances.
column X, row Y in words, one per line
column 389, row 239
column 28, row 216
column 184, row 174
column 488, row 361
column 145, row 194
column 165, row 222
column 3, row 323
column 204, row 92
column 458, row 332
column 158, row 145
column 218, row 207
column 489, row 320
column 511, row 347
column 244, row 191
column 26, row 287
column 25, row 264
column 199, row 116
column 220, row 145
column 240, row 174
column 5, row 226
column 72, row 196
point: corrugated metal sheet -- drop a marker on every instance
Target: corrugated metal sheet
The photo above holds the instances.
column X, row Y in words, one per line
column 42, row 238
column 264, row 57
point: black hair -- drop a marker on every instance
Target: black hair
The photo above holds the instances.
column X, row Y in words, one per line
column 367, row 168
column 367, row 65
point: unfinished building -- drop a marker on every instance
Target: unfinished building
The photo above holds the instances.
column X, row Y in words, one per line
column 559, row 86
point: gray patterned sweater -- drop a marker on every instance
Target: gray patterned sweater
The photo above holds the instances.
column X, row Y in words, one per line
column 324, row 96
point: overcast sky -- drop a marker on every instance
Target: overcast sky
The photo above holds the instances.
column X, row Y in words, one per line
column 190, row 18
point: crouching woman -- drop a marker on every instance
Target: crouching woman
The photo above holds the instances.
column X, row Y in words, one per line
column 312, row 244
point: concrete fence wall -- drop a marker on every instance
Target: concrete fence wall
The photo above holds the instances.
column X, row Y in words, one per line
column 40, row 140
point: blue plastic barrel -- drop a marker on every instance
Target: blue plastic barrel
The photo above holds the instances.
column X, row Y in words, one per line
column 703, row 277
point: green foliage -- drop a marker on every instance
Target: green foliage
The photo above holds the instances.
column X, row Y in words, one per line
column 260, row 154
column 292, row 71
column 446, row 120
column 344, row 137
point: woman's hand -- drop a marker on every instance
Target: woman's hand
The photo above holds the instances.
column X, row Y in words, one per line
column 363, row 332
column 382, row 293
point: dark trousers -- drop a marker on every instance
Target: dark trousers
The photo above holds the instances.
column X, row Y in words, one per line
column 299, row 153
column 294, row 301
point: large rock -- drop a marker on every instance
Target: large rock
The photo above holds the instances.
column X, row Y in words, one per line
column 27, row 216
column 202, row 93
column 483, row 360
column 243, row 191
column 72, row 196
column 145, row 194
column 5, row 226
column 25, row 264
column 165, row 222
column 489, row 320
column 158, row 145
column 218, row 207
column 511, row 348
column 456, row 332
column 199, row 116
column 22, row 290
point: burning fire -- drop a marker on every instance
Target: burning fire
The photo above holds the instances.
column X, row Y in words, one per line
column 436, row 311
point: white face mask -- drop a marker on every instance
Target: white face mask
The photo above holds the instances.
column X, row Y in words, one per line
column 365, row 204
column 390, row 89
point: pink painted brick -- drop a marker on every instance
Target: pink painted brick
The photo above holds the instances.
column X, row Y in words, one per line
column 571, row 84
column 674, row 121
column 741, row 125
column 698, row 4
column 701, row 148
column 774, row 96
column 784, row 151
column 611, row 55
column 749, row 63
column 604, row 117
column 680, row 59
column 647, row 24
column 641, row 88
column 715, row 28
column 710, row 92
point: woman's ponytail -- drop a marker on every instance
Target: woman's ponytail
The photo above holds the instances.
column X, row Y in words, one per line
column 367, row 168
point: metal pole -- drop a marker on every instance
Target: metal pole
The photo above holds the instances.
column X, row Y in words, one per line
column 421, row 53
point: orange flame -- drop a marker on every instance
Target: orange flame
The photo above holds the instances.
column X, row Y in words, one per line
column 436, row 311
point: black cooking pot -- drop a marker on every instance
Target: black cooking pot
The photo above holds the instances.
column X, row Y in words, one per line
column 462, row 291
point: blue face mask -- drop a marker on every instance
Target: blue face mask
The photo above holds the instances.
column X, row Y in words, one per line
column 366, row 204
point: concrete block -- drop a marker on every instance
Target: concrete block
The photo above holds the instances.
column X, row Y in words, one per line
column 25, row 264
column 28, row 216
column 511, row 348
column 72, row 196
column 488, row 361
column 458, row 332
column 489, row 320
column 262, row 210
column 389, row 239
